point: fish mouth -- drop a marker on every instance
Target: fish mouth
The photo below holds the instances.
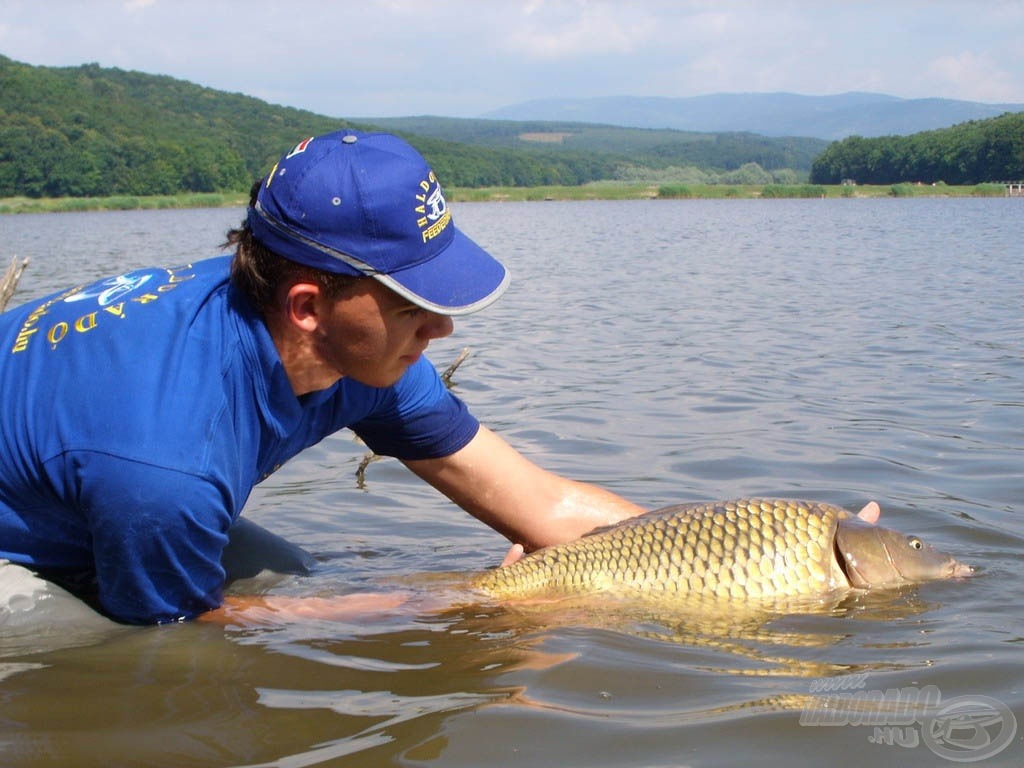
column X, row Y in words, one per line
column 958, row 570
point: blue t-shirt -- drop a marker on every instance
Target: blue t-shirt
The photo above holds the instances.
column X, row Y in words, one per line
column 137, row 414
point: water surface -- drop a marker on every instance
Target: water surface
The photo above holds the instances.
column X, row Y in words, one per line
column 841, row 350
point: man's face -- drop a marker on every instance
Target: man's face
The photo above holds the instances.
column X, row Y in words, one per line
column 372, row 335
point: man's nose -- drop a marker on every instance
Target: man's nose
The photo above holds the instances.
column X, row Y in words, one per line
column 437, row 327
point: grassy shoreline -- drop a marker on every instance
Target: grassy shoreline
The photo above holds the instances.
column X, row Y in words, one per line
column 595, row 191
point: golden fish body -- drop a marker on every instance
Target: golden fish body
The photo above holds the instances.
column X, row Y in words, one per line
column 742, row 549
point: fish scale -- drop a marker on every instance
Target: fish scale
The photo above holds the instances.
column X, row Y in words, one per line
column 742, row 549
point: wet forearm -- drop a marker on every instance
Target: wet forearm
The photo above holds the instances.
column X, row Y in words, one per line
column 582, row 508
column 526, row 503
column 262, row 610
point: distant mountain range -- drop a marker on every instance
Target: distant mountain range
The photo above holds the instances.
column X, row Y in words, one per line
column 768, row 114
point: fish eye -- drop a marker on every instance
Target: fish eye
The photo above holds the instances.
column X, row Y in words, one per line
column 915, row 543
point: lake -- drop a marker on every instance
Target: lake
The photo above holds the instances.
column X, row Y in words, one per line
column 838, row 350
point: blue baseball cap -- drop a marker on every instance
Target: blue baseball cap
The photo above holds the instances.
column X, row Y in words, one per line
column 357, row 203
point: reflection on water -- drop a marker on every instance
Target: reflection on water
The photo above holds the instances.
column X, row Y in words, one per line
column 671, row 351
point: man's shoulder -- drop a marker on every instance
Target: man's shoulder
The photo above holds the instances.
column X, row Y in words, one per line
column 140, row 369
column 120, row 305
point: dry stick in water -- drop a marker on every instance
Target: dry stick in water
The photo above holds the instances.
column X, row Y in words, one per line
column 446, row 377
column 10, row 281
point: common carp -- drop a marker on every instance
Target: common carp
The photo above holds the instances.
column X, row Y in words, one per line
column 746, row 549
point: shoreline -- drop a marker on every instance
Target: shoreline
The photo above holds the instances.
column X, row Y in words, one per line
column 594, row 191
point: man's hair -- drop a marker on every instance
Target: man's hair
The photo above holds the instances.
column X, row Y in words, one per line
column 258, row 272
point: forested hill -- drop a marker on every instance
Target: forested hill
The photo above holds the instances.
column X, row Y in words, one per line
column 91, row 131
column 974, row 152
column 94, row 131
column 78, row 131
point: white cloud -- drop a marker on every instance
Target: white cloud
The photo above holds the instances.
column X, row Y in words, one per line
column 351, row 58
column 975, row 76
column 561, row 30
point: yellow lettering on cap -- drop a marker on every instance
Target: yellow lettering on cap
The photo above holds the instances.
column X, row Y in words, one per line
column 437, row 227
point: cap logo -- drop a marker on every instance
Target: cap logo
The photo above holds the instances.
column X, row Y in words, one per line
column 299, row 148
column 433, row 209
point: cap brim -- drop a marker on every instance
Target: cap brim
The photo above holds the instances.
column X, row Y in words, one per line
column 461, row 279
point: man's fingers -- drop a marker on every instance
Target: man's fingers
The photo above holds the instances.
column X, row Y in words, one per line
column 513, row 554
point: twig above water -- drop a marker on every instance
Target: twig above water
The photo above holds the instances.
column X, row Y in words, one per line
column 446, row 377
column 369, row 457
column 10, row 281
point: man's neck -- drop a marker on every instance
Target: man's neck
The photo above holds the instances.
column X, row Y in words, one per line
column 304, row 369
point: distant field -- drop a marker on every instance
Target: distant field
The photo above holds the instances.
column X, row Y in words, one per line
column 628, row 191
column 546, row 137
column 122, row 202
column 595, row 191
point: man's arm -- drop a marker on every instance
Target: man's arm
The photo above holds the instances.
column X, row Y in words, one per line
column 270, row 610
column 529, row 505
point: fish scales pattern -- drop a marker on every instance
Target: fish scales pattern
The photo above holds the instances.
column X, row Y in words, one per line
column 748, row 548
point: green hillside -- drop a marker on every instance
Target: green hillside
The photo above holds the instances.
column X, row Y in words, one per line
column 94, row 131
column 974, row 152
column 647, row 148
column 77, row 131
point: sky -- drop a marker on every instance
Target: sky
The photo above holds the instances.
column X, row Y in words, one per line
column 463, row 58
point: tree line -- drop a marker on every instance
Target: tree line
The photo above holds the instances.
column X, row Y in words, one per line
column 91, row 131
column 974, row 152
column 629, row 149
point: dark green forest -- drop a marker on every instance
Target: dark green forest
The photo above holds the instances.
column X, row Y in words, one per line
column 91, row 131
column 974, row 152
column 88, row 131
column 95, row 131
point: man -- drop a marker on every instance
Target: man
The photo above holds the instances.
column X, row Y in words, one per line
column 139, row 412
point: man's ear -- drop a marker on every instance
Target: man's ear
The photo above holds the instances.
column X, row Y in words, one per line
column 302, row 306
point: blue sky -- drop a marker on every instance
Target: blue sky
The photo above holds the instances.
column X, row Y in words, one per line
column 376, row 58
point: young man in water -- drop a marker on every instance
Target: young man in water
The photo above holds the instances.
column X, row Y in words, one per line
column 139, row 412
